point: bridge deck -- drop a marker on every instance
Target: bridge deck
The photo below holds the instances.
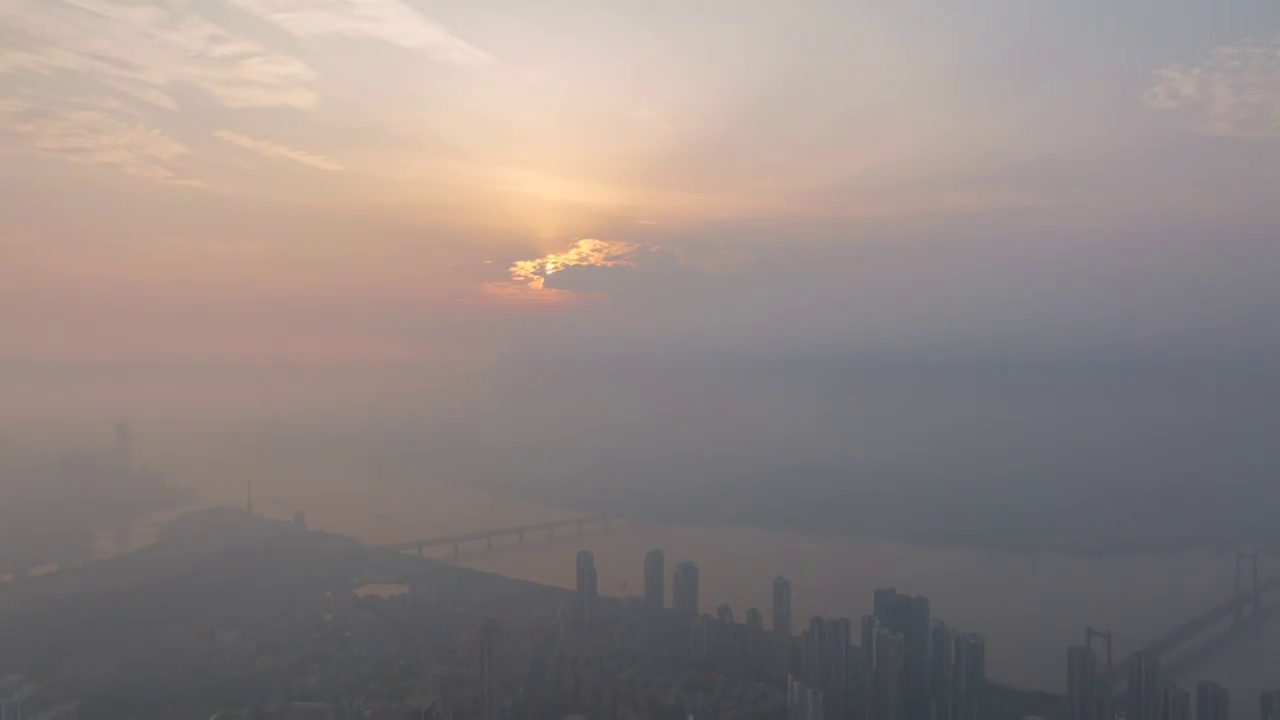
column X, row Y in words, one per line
column 493, row 533
column 1194, row 626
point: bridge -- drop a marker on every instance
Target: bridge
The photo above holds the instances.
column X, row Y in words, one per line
column 580, row 523
column 1245, row 610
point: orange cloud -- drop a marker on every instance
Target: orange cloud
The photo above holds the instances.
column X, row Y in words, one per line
column 528, row 277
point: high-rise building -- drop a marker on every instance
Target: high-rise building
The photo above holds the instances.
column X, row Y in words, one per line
column 490, row 680
column 782, row 606
column 585, row 599
column 970, row 676
column 755, row 631
column 1212, row 701
column 655, row 578
column 890, row 691
column 869, row 636
column 942, row 657
column 803, row 702
column 1175, row 703
column 1082, row 674
column 699, row 641
column 684, row 588
column 724, row 613
column 1269, row 705
column 908, row 615
column 1144, row 702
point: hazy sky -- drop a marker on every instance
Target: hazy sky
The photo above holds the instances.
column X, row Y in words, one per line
column 206, row 185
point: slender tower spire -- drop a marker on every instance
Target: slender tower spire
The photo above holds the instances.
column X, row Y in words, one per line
column 248, row 502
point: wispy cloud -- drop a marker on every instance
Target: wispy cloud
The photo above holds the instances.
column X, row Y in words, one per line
column 90, row 136
column 270, row 149
column 1236, row 92
column 145, row 51
column 528, row 278
column 386, row 20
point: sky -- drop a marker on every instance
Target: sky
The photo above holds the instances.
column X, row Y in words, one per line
column 196, row 192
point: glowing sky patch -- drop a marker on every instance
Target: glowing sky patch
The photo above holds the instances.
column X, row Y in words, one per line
column 528, row 278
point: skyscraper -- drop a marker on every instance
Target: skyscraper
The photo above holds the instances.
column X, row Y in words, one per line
column 890, row 690
column 724, row 613
column 782, row 606
column 1212, row 701
column 1269, row 705
column 970, row 679
column 908, row 616
column 869, row 636
column 1082, row 674
column 942, row 656
column 684, row 588
column 585, row 599
column 1144, row 701
column 655, row 578
column 1175, row 703
column 803, row 702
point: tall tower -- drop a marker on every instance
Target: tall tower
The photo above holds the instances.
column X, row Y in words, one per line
column 1082, row 674
column 782, row 607
column 248, row 495
column 942, row 655
column 684, row 588
column 1212, row 701
column 1144, row 687
column 970, row 676
column 655, row 578
column 586, row 590
column 908, row 616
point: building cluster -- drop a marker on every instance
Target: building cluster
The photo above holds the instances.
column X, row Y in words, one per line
column 1094, row 692
column 649, row 657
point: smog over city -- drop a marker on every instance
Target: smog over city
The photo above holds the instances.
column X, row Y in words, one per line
column 613, row 360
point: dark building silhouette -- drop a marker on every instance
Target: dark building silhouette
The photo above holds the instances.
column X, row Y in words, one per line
column 942, row 658
column 1269, row 705
column 1082, row 675
column 1213, row 702
column 889, row 691
column 684, row 588
column 585, row 598
column 724, row 613
column 1175, row 703
column 655, row 578
column 782, row 606
column 1144, row 701
column 908, row 616
column 970, row 676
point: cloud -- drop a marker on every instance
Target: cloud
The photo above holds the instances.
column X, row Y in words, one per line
column 528, row 278
column 386, row 20
column 89, row 135
column 1235, row 93
column 270, row 149
column 144, row 51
